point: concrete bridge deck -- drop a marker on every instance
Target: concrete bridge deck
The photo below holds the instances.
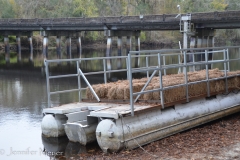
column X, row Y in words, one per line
column 212, row 20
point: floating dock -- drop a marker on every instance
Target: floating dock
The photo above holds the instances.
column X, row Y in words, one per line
column 137, row 118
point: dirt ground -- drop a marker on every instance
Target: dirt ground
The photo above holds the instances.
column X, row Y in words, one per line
column 217, row 140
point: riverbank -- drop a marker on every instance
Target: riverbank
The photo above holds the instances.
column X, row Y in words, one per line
column 217, row 140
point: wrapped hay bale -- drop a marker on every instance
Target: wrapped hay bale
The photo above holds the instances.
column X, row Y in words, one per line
column 197, row 89
column 89, row 94
column 156, row 95
column 175, row 94
column 112, row 92
column 148, row 96
column 126, row 92
column 120, row 91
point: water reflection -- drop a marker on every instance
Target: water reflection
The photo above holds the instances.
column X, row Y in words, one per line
column 62, row 148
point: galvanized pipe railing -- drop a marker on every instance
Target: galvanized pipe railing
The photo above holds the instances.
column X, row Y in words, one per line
column 162, row 69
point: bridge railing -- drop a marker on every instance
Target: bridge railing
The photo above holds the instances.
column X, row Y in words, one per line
column 184, row 65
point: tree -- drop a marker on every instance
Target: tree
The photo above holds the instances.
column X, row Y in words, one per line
column 8, row 9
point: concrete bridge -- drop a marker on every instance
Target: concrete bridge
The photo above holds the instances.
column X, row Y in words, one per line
column 198, row 29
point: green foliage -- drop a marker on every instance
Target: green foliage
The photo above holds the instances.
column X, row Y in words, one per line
column 143, row 36
column 8, row 9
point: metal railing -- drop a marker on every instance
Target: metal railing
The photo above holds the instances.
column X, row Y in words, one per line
column 79, row 74
column 162, row 67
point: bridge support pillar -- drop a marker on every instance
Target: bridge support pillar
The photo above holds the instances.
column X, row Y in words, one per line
column 45, row 47
column 108, row 54
column 119, row 45
column 58, row 47
column 69, row 49
column 137, row 45
column 7, row 50
column 18, row 41
column 205, row 39
column 30, row 48
column 79, row 46
column 109, row 34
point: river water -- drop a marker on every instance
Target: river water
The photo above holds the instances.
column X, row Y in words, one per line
column 22, row 98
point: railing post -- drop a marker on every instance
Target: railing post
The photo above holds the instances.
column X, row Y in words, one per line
column 164, row 64
column 147, row 65
column 127, row 68
column 225, row 70
column 193, row 56
column 160, row 80
column 48, row 83
column 228, row 60
column 130, row 83
column 185, row 74
column 104, row 69
column 79, row 83
column 207, row 76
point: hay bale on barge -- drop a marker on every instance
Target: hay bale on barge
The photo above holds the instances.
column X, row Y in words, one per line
column 120, row 89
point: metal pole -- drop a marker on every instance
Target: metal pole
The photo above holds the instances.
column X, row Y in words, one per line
column 225, row 71
column 79, row 82
column 104, row 69
column 146, row 84
column 147, row 66
column 228, row 63
column 207, row 76
column 89, row 85
column 127, row 68
column 185, row 75
column 164, row 63
column 160, row 80
column 48, row 83
column 130, row 84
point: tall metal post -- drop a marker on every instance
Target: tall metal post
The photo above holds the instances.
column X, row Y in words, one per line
column 185, row 20
column 18, row 41
column 45, row 47
column 58, row 47
column 30, row 48
column 7, row 50
column 119, row 45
